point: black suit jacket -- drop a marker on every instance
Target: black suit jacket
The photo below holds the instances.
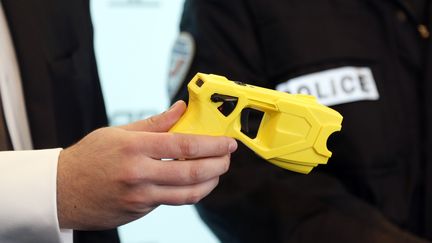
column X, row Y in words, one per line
column 53, row 40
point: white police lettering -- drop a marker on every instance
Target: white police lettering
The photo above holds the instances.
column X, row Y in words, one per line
column 335, row 86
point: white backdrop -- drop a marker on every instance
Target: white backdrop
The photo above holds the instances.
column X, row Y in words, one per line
column 133, row 40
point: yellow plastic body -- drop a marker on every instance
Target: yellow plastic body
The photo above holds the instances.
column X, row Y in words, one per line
column 292, row 134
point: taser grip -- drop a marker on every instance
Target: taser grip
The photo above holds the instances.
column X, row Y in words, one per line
column 292, row 130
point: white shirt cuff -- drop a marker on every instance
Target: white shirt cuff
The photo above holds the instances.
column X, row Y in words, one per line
column 28, row 201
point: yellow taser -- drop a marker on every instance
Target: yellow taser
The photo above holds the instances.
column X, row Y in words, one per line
column 290, row 131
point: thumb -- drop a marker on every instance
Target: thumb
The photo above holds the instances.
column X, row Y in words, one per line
column 159, row 123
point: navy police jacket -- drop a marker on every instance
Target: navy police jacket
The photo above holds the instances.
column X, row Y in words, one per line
column 371, row 61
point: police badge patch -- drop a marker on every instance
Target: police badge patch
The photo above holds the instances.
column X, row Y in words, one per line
column 335, row 86
column 181, row 59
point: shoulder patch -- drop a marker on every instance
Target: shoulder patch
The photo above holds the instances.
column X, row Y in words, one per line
column 181, row 59
column 335, row 86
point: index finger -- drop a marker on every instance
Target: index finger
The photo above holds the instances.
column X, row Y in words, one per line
column 186, row 146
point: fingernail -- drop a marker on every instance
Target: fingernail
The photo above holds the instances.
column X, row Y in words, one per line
column 232, row 146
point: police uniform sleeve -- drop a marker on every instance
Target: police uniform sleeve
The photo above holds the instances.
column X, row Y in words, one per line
column 28, row 201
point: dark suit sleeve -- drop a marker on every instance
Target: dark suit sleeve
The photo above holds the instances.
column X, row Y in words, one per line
column 53, row 41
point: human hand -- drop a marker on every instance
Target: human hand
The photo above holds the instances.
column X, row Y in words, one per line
column 115, row 175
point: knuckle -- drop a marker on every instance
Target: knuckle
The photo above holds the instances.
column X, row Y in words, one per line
column 193, row 197
column 132, row 203
column 187, row 147
column 223, row 147
column 130, row 175
column 136, row 201
column 153, row 121
column 129, row 145
column 196, row 173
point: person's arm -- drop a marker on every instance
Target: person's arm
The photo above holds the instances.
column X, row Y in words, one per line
column 111, row 177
